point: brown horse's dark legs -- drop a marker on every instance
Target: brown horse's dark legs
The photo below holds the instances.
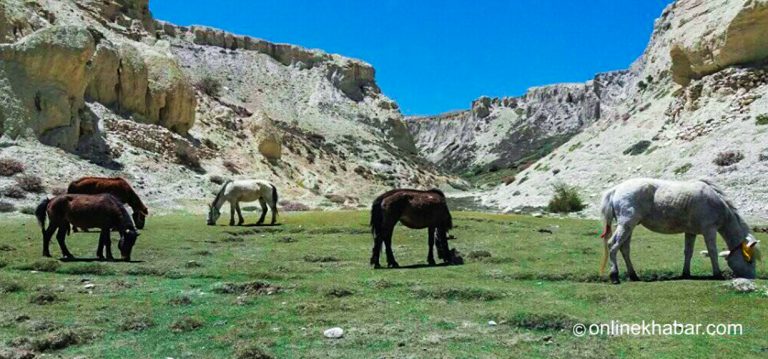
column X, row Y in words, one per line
column 391, row 263
column 376, row 251
column 442, row 245
column 60, row 236
column 105, row 244
column 430, row 256
column 47, row 234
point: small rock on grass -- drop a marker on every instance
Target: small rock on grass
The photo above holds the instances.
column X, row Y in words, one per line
column 491, row 323
column 334, row 333
column 741, row 285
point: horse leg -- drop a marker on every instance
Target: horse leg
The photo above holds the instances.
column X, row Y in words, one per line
column 47, row 234
column 263, row 204
column 625, row 253
column 60, row 236
column 376, row 252
column 441, row 242
column 231, row 213
column 690, row 240
column 430, row 256
column 107, row 243
column 272, row 207
column 240, row 219
column 100, row 247
column 391, row 263
column 710, row 238
column 623, row 232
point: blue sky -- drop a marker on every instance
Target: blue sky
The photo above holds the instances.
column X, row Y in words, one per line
column 437, row 56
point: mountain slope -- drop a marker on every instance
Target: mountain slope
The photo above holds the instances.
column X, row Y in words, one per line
column 694, row 98
column 102, row 88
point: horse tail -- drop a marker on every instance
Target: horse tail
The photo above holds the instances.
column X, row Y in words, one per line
column 377, row 216
column 608, row 215
column 41, row 211
column 274, row 198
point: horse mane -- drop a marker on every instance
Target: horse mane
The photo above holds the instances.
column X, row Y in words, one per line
column 437, row 190
column 221, row 192
column 126, row 219
column 733, row 211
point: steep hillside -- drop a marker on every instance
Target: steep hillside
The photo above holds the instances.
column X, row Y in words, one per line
column 691, row 106
column 102, row 88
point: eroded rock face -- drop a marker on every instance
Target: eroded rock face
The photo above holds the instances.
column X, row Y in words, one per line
column 50, row 70
column 353, row 77
column 500, row 132
column 739, row 37
column 45, row 76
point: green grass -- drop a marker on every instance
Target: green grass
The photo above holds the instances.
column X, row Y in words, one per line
column 265, row 294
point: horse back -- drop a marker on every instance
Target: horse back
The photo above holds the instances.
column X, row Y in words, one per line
column 86, row 210
column 116, row 186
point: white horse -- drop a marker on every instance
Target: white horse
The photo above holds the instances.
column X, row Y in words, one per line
column 238, row 191
column 670, row 207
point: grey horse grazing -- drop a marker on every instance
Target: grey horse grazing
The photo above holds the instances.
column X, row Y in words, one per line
column 238, row 191
column 670, row 207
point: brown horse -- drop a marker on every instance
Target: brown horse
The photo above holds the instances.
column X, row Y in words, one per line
column 102, row 211
column 414, row 209
column 117, row 187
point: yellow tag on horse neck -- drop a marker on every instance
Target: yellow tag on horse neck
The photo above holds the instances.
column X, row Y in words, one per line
column 746, row 251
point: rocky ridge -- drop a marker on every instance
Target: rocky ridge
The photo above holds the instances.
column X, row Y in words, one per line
column 695, row 96
column 102, row 88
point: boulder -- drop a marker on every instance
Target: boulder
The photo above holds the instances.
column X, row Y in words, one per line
column 739, row 39
column 268, row 139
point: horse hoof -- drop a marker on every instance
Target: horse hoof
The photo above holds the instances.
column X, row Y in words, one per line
column 376, row 266
column 615, row 278
column 432, row 263
column 393, row 265
column 634, row 278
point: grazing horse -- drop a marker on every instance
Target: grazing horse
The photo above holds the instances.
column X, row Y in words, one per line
column 102, row 211
column 670, row 207
column 414, row 209
column 238, row 191
column 119, row 188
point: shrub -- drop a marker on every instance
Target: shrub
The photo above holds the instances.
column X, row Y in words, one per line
column 10, row 167
column 209, row 85
column 30, row 183
column 565, row 200
column 6, row 207
column 217, row 179
column 638, row 148
column 728, row 158
column 761, row 120
column 507, row 180
column 14, row 192
column 683, row 169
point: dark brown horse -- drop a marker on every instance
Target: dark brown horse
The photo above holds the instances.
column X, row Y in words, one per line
column 414, row 209
column 102, row 211
column 119, row 188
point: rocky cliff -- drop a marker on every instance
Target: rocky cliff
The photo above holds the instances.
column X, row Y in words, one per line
column 693, row 105
column 90, row 87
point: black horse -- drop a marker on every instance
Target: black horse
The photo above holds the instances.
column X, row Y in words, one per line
column 415, row 209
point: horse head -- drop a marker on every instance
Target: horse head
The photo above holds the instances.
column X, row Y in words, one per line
column 126, row 243
column 742, row 258
column 140, row 218
column 213, row 215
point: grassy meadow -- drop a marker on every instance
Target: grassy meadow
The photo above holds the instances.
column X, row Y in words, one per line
column 198, row 291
